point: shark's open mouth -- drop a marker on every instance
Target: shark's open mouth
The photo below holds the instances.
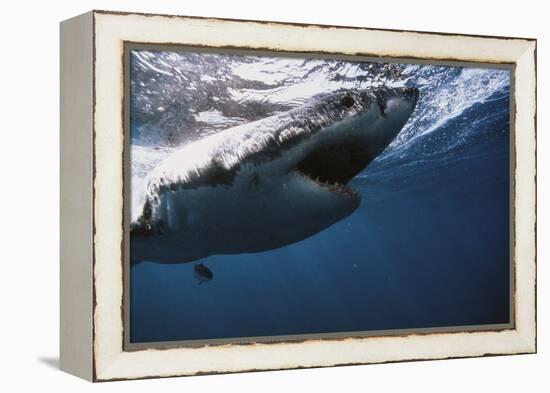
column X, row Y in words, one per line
column 333, row 166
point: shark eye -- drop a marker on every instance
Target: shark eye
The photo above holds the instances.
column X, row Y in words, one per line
column 348, row 101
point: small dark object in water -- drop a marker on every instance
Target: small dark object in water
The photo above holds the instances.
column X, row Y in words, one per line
column 202, row 273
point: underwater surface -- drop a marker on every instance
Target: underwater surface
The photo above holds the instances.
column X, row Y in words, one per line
column 427, row 247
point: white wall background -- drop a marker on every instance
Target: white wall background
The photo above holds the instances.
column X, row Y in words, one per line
column 29, row 195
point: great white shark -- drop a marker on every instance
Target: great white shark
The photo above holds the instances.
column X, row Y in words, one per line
column 267, row 183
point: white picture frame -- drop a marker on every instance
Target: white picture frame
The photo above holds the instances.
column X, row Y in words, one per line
column 92, row 195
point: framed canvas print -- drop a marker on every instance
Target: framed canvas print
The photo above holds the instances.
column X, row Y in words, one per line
column 245, row 195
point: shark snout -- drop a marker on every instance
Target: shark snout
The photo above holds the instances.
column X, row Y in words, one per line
column 394, row 107
column 388, row 98
column 410, row 94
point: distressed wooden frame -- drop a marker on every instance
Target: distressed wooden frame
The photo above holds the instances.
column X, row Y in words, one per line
column 92, row 190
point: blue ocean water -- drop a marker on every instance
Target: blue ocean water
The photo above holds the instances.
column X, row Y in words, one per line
column 428, row 246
